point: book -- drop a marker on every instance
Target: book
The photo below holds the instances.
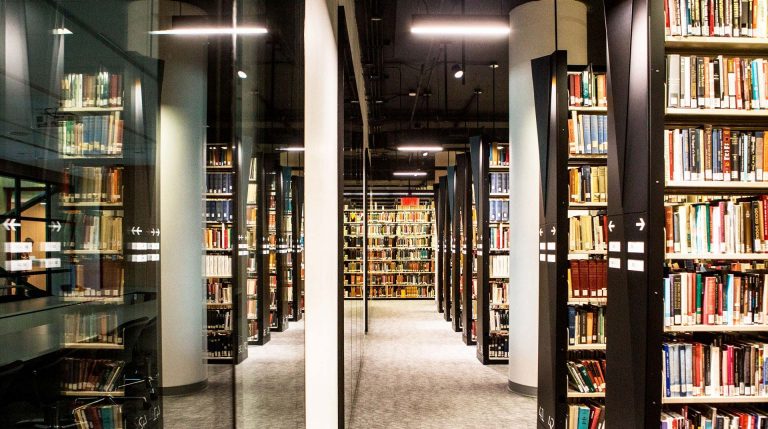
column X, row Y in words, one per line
column 712, row 18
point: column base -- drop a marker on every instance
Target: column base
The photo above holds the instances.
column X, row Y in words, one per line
column 521, row 389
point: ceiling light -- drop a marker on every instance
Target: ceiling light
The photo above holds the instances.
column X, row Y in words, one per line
column 291, row 149
column 379, row 101
column 494, row 65
column 63, row 31
column 425, row 154
column 460, row 25
column 375, row 18
column 212, row 31
column 415, row 148
column 457, row 71
column 241, row 74
column 411, row 92
column 410, row 173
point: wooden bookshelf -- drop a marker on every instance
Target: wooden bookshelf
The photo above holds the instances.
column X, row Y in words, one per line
column 96, row 393
column 582, row 395
column 582, row 347
column 93, row 346
column 753, row 45
column 588, row 109
column 718, row 256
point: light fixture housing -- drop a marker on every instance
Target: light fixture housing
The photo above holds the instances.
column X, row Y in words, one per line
column 460, row 25
column 416, row 148
column 409, row 173
column 291, row 149
column 457, row 71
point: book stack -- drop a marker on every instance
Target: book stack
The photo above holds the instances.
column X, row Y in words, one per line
column 716, row 82
column 719, row 154
column 729, row 18
column 499, row 236
column 91, row 135
column 219, row 293
column 586, row 325
column 218, row 211
column 588, row 233
column 101, row 416
column 499, row 183
column 92, row 185
column 589, row 415
column 588, row 184
column 587, row 134
column 704, row 416
column 91, row 375
column 101, row 90
column 218, row 183
column 218, row 156
column 587, row 375
column 218, row 266
column 587, row 89
column 96, row 233
column 499, row 210
column 499, row 155
column 218, row 238
column 587, row 278
column 99, row 328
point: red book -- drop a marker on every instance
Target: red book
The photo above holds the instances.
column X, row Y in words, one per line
column 709, row 300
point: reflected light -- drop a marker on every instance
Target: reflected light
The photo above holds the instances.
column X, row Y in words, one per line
column 211, row 31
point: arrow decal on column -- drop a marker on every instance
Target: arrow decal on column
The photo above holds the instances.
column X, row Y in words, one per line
column 611, row 226
column 640, row 224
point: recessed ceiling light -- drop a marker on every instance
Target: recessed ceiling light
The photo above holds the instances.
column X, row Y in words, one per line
column 411, row 92
column 241, row 74
column 416, row 148
column 425, row 154
column 457, row 71
column 494, row 65
column 410, row 173
column 460, row 25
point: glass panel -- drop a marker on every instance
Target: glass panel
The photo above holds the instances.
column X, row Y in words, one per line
column 78, row 133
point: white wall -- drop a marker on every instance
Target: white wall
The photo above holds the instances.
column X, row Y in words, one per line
column 322, row 252
column 531, row 36
column 182, row 139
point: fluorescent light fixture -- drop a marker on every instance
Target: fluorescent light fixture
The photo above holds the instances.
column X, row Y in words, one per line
column 241, row 74
column 410, row 173
column 420, row 148
column 212, row 31
column 460, row 25
column 63, row 31
column 411, row 92
column 457, row 71
column 291, row 149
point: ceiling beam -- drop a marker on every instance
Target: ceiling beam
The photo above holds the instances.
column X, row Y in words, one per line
column 357, row 63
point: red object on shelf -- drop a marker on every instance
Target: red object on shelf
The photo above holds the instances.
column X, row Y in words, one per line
column 409, row 201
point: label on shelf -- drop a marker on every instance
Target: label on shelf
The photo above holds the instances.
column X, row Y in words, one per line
column 614, row 263
column 635, row 265
column 153, row 246
column 137, row 246
column 18, row 265
column 614, row 246
column 50, row 246
column 47, row 262
column 551, row 245
column 18, row 247
column 635, row 247
column 542, row 257
column 542, row 246
column 154, row 257
column 550, row 258
column 139, row 258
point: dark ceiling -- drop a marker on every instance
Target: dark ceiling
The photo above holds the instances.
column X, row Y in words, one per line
column 398, row 64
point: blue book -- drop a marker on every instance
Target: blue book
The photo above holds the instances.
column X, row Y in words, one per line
column 572, row 325
column 667, row 385
column 106, row 418
column 667, row 303
column 755, row 85
column 583, row 420
column 586, row 133
column 593, row 128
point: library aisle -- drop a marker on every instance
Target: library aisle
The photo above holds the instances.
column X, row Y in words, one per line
column 417, row 373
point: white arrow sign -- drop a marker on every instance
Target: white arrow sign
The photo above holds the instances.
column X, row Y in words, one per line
column 154, row 232
column 641, row 224
column 553, row 230
column 10, row 224
column 551, row 423
column 55, row 226
column 541, row 232
column 611, row 226
column 136, row 230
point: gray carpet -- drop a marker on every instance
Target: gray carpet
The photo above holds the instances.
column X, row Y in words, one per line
column 418, row 374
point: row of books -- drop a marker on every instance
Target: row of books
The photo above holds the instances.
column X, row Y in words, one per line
column 100, row 416
column 219, row 183
column 722, row 367
column 590, row 415
column 218, row 266
column 498, row 345
column 586, row 375
column 219, row 344
column 218, row 156
column 83, row 374
column 498, row 155
column 587, row 134
column 726, row 18
column 498, row 292
column 395, row 253
column 92, row 135
column 587, row 233
column 705, row 416
column 92, row 328
column 716, row 82
column 219, row 319
column 498, row 266
column 588, row 184
column 400, row 279
column 499, row 320
column 498, row 235
column 586, row 324
column 92, row 184
column 422, row 291
column 587, row 89
column 88, row 232
column 498, row 210
column 218, row 238
column 588, row 278
column 219, row 292
column 218, row 211
column 721, row 226
column 400, row 266
column 499, row 183
column 253, row 327
column 421, row 214
column 97, row 277
column 103, row 89
column 250, row 286
column 715, row 154
column 716, row 298
column 390, row 229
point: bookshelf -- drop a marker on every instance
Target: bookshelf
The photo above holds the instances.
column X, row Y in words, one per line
column 280, row 295
column 490, row 174
column 679, row 108
column 257, row 292
column 468, row 253
column 400, row 256
column 296, row 247
column 443, row 261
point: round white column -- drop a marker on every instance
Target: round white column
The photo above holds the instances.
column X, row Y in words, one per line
column 182, row 171
column 532, row 36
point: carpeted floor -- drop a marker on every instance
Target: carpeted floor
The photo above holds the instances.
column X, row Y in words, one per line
column 418, row 374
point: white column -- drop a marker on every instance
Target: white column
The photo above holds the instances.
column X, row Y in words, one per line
column 532, row 36
column 182, row 141
column 322, row 253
